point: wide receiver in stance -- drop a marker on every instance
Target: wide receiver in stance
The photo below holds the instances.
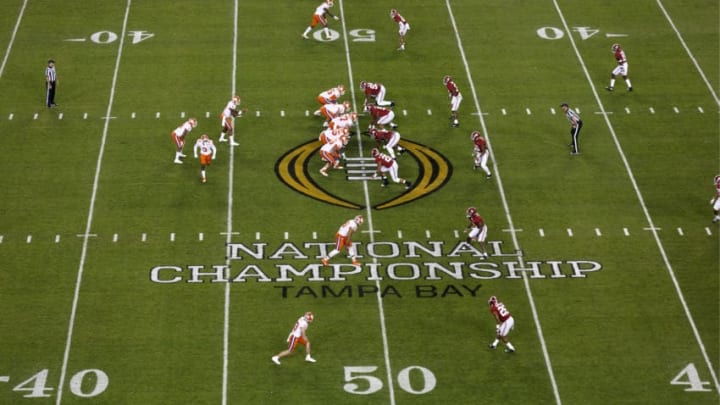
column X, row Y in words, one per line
column 504, row 322
column 296, row 337
column 343, row 239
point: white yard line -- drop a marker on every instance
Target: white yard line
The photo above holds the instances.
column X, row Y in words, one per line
column 229, row 229
column 368, row 214
column 12, row 37
column 692, row 58
column 91, row 211
column 641, row 200
column 513, row 233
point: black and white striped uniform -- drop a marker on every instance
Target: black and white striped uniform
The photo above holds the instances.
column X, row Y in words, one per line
column 50, row 83
column 575, row 127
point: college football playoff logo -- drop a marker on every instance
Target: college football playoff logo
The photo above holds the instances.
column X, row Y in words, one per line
column 434, row 170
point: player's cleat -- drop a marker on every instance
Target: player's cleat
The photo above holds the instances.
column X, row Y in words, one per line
column 178, row 161
column 310, row 359
column 204, row 180
column 183, row 155
column 384, row 182
column 488, row 176
column 356, row 262
column 609, row 88
column 716, row 219
column 508, row 350
column 629, row 88
column 407, row 185
column 492, row 347
column 305, row 36
column 323, row 172
column 276, row 360
column 393, row 125
column 455, row 123
column 234, row 144
column 325, row 261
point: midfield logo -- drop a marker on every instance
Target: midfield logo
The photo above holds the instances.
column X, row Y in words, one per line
column 434, row 170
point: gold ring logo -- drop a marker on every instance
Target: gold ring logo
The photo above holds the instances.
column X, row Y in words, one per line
column 434, row 170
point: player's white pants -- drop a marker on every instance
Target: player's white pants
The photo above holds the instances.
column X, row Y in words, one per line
column 455, row 102
column 478, row 234
column 393, row 170
column 481, row 160
column 380, row 98
column 386, row 119
column 506, row 327
column 621, row 70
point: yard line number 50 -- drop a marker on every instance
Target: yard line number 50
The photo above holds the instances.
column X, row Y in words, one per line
column 372, row 384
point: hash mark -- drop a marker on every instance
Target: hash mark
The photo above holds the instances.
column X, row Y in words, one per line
column 182, row 114
column 427, row 233
column 157, row 114
column 201, row 236
column 10, row 117
column 708, row 231
column 541, row 232
column 626, row 232
column 680, row 232
column 504, row 111
column 429, row 112
column 700, row 109
column 172, row 237
column 570, row 232
column 677, row 111
column 57, row 238
column 28, row 239
column 399, row 233
column 144, row 237
column 597, row 232
column 115, row 237
column 527, row 110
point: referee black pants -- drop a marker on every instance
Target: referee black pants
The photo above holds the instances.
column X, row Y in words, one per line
column 50, row 94
column 575, row 137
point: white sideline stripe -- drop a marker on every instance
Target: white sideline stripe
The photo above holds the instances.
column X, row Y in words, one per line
column 699, row 69
column 536, row 318
column 638, row 193
column 390, row 380
column 12, row 37
column 91, row 212
column 229, row 229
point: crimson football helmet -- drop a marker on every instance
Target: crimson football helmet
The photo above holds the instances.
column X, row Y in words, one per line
column 492, row 300
column 447, row 79
column 717, row 178
column 614, row 47
column 475, row 135
column 471, row 211
column 359, row 219
column 393, row 13
column 374, row 152
column 363, row 84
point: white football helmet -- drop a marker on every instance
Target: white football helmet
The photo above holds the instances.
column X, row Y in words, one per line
column 359, row 219
column 309, row 316
column 193, row 122
column 329, row 3
column 341, row 89
column 447, row 79
column 204, row 137
column 236, row 99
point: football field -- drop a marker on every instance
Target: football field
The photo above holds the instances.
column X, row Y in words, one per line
column 125, row 279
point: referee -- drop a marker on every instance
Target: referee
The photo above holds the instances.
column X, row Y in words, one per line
column 50, row 84
column 575, row 127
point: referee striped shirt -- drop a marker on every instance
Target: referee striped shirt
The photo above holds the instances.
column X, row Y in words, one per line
column 572, row 116
column 50, row 74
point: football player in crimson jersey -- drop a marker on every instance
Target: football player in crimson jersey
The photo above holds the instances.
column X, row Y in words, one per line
column 621, row 68
column 375, row 91
column 343, row 239
column 477, row 230
column 403, row 27
column 504, row 322
column 386, row 164
column 380, row 116
column 296, row 337
column 455, row 99
column 387, row 139
column 231, row 111
column 319, row 18
column 178, row 137
column 207, row 150
column 716, row 200
column 480, row 153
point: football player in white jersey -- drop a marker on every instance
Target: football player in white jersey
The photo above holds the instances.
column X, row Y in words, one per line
column 232, row 110
column 319, row 18
column 343, row 239
column 298, row 336
column 207, row 150
column 178, row 137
